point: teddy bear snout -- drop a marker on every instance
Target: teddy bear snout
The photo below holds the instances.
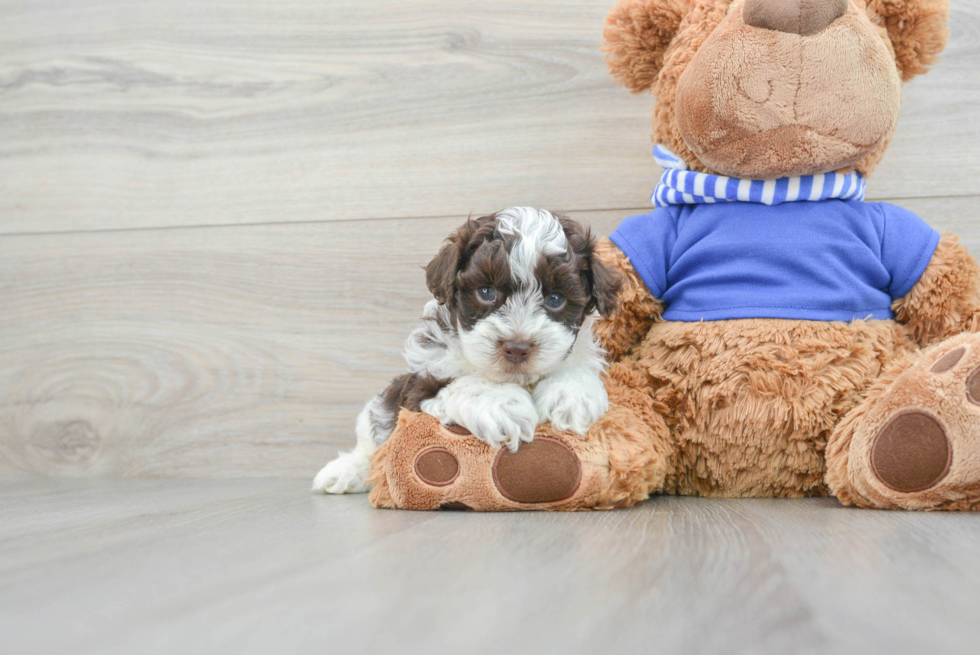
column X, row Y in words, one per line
column 803, row 17
column 767, row 104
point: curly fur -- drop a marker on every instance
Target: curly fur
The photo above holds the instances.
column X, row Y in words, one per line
column 946, row 301
column 913, row 384
column 917, row 29
column 637, row 35
column 753, row 402
column 637, row 309
column 839, row 446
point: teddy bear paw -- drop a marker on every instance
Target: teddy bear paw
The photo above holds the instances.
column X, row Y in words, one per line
column 920, row 441
column 429, row 465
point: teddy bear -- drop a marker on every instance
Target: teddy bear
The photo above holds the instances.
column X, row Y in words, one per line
column 775, row 335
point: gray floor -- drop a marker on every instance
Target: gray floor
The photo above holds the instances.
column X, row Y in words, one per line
column 169, row 566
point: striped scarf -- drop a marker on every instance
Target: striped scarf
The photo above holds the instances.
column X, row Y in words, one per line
column 680, row 186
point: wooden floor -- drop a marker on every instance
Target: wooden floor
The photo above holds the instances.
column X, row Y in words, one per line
column 260, row 566
column 212, row 221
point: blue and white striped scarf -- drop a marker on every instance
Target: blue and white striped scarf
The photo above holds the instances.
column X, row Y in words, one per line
column 680, row 186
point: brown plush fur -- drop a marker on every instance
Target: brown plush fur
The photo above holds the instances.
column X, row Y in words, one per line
column 764, row 407
column 758, row 407
column 636, row 311
column 946, row 301
column 620, row 461
column 765, row 104
column 637, row 36
column 641, row 55
column 801, row 17
column 624, row 457
column 917, row 30
column 911, row 385
column 754, row 401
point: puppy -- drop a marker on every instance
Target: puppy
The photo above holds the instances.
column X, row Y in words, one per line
column 505, row 344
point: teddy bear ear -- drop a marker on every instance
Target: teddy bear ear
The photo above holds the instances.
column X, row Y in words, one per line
column 636, row 36
column 918, row 31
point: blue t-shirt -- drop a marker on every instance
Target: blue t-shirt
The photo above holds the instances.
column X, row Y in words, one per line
column 832, row 260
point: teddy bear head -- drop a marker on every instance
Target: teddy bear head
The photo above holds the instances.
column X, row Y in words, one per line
column 765, row 89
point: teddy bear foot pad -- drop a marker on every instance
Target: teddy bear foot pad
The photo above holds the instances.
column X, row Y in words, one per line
column 920, row 442
column 426, row 465
column 543, row 471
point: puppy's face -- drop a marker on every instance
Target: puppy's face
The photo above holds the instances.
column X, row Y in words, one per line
column 518, row 285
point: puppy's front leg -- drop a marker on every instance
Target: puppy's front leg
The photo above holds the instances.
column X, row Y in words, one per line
column 571, row 399
column 574, row 396
column 496, row 413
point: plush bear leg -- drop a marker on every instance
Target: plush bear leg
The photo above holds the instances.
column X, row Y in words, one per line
column 914, row 442
column 425, row 465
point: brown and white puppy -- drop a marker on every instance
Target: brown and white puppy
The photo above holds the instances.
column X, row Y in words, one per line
column 505, row 344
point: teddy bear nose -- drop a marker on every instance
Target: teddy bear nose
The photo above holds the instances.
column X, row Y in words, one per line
column 803, row 17
column 516, row 352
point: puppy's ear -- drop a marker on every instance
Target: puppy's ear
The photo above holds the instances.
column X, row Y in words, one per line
column 602, row 283
column 440, row 273
column 917, row 29
column 606, row 285
column 636, row 37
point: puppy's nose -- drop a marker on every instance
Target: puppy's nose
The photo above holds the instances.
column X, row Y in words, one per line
column 516, row 352
column 803, row 17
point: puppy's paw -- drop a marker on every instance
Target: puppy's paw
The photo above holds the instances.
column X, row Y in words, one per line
column 570, row 407
column 505, row 419
column 437, row 407
column 344, row 475
column 496, row 413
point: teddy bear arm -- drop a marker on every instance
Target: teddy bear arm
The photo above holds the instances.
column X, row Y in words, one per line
column 946, row 299
column 636, row 308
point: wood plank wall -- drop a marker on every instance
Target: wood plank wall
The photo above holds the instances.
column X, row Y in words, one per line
column 213, row 214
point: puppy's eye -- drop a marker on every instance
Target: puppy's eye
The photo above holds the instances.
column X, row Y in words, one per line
column 486, row 294
column 554, row 301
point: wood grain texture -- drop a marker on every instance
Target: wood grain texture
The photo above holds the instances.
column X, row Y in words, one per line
column 219, row 352
column 179, row 566
column 119, row 114
column 205, row 351
column 135, row 342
